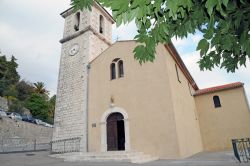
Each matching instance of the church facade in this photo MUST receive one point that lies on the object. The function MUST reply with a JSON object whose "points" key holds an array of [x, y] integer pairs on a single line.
{"points": [[112, 103]]}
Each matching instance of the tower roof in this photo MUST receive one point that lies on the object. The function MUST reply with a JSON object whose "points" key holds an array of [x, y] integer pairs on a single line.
{"points": [[96, 4]]}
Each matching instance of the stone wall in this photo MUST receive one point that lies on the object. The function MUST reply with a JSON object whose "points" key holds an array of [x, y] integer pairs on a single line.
{"points": [[70, 113], [3, 104], [71, 104], [18, 129]]}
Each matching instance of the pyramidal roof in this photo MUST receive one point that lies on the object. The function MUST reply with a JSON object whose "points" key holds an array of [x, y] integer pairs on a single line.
{"points": [[96, 4]]}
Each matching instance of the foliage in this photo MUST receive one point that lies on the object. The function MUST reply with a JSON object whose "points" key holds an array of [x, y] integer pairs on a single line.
{"points": [[10, 94], [41, 107], [52, 104], [38, 106], [24, 89], [224, 24], [16, 106], [8, 73], [10, 91], [21, 94], [40, 88]]}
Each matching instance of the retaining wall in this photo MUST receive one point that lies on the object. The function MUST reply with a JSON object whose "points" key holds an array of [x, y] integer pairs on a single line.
{"points": [[20, 136]]}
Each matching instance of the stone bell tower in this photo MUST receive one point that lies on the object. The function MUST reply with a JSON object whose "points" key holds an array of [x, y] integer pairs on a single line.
{"points": [[86, 35]]}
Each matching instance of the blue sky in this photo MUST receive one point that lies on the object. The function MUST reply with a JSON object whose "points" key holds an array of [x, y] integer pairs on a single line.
{"points": [[31, 29]]}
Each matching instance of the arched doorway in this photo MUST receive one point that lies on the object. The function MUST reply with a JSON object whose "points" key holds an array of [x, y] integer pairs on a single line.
{"points": [[115, 132], [103, 125]]}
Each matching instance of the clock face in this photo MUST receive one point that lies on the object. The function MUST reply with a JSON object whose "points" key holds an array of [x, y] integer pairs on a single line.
{"points": [[74, 49]]}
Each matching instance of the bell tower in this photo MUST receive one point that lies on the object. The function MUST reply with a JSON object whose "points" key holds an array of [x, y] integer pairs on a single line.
{"points": [[86, 35]]}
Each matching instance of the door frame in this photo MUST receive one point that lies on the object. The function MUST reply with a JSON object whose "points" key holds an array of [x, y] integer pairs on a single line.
{"points": [[103, 125]]}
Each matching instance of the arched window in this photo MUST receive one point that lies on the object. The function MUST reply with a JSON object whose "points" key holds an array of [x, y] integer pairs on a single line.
{"points": [[112, 71], [121, 70], [216, 101], [101, 24], [77, 21]]}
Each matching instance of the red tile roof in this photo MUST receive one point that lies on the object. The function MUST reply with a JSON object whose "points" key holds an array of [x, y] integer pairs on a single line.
{"points": [[218, 88]]}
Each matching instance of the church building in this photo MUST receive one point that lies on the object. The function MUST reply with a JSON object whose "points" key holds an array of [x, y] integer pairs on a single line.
{"points": [[110, 102]]}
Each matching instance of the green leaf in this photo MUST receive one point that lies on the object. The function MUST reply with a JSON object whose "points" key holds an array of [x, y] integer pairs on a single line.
{"points": [[118, 21], [81, 4], [209, 33], [203, 46], [222, 23], [172, 5], [210, 4], [225, 2]]}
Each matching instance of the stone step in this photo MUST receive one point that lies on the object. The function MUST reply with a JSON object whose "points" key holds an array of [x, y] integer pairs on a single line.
{"points": [[98, 159], [144, 160], [120, 156], [105, 156], [117, 154], [97, 154]]}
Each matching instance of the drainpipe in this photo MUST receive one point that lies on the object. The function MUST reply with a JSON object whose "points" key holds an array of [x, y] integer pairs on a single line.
{"points": [[87, 109]]}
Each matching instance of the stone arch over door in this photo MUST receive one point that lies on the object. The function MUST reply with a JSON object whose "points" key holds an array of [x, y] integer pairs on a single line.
{"points": [[104, 127]]}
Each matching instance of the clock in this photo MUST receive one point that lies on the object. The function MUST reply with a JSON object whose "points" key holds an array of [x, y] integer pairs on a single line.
{"points": [[74, 50]]}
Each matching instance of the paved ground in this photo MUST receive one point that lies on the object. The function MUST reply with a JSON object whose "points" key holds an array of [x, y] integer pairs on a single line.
{"points": [[42, 159]]}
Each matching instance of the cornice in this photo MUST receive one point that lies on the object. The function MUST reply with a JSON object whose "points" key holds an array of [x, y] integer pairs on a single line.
{"points": [[89, 28]]}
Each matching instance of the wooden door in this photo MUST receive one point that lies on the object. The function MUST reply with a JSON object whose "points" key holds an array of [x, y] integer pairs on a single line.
{"points": [[113, 132]]}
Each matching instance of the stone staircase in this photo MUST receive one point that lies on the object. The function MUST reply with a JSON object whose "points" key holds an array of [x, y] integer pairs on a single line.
{"points": [[120, 156]]}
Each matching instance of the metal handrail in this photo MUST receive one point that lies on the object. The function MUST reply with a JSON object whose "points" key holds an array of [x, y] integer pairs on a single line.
{"points": [[65, 145], [241, 148], [63, 140]]}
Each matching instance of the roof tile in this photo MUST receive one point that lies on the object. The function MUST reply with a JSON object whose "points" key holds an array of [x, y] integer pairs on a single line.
{"points": [[218, 88]]}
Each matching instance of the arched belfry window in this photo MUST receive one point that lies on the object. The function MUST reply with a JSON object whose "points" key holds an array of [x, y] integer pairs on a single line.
{"points": [[101, 24], [77, 21], [120, 69], [112, 71], [117, 62], [217, 103]]}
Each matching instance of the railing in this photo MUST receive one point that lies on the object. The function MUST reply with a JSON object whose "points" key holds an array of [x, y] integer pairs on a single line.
{"points": [[241, 149], [66, 145], [8, 145]]}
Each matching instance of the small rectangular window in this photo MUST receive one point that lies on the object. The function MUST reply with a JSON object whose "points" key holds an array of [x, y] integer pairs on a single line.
{"points": [[77, 21], [217, 103], [101, 24], [176, 68]]}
